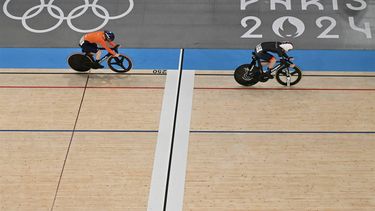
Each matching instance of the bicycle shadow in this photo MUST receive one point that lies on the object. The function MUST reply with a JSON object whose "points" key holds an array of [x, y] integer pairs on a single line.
{"points": [[96, 78]]}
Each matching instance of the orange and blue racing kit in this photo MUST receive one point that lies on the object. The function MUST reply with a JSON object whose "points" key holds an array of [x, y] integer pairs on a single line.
{"points": [[89, 42]]}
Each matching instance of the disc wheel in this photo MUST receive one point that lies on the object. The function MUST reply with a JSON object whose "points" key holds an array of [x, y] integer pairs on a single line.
{"points": [[295, 76], [246, 75], [120, 64], [80, 62]]}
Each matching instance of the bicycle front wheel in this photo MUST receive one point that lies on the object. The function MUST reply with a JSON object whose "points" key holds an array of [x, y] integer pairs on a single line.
{"points": [[295, 76], [120, 64]]}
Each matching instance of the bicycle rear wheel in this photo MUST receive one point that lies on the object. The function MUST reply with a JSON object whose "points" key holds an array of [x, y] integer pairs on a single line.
{"points": [[246, 75], [120, 64], [80, 62], [295, 76]]}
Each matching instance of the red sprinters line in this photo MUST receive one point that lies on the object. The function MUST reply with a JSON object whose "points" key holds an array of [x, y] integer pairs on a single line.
{"points": [[78, 87]]}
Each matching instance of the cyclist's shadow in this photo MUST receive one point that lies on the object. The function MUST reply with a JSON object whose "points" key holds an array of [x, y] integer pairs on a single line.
{"points": [[96, 78]]}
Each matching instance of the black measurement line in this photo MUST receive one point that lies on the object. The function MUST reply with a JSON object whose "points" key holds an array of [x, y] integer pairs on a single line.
{"points": [[174, 131]]}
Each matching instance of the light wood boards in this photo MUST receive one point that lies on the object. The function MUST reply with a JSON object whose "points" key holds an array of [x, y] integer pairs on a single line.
{"points": [[107, 171], [105, 164], [280, 172], [30, 167], [269, 147]]}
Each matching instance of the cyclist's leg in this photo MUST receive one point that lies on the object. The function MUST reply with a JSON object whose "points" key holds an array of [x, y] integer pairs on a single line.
{"points": [[94, 48], [98, 54], [271, 62], [89, 49], [96, 63], [270, 59]]}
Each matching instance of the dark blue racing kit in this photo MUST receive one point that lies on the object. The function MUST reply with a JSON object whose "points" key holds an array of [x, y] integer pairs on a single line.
{"points": [[262, 50]]}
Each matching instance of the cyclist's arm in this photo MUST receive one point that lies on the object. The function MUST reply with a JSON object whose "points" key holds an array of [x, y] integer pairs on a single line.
{"points": [[282, 53], [113, 44], [285, 55], [104, 44]]}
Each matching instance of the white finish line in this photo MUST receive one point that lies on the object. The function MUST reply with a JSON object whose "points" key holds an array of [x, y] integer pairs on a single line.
{"points": [[169, 170], [181, 139], [163, 145]]}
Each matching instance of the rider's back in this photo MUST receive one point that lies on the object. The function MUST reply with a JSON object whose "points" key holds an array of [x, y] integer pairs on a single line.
{"points": [[99, 38], [270, 46], [95, 37]]}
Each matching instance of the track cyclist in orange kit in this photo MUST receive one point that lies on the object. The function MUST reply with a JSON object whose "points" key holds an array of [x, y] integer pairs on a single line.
{"points": [[89, 44]]}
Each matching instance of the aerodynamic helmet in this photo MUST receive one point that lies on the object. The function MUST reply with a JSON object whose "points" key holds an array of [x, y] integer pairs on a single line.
{"points": [[109, 35], [287, 46]]}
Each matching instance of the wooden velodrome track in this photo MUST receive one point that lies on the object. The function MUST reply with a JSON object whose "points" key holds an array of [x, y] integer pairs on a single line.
{"points": [[73, 141]]}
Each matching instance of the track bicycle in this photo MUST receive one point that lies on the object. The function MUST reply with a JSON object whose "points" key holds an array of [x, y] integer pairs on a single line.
{"points": [[286, 72], [82, 62]]}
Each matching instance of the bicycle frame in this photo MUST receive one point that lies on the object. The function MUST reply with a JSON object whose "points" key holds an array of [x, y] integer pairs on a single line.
{"points": [[285, 72], [282, 64], [105, 57], [278, 67]]}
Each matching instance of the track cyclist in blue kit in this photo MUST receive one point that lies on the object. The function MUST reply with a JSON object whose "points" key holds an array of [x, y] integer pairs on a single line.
{"points": [[280, 48]]}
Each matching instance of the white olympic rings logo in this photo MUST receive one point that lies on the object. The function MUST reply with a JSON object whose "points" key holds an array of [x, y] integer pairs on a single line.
{"points": [[75, 13]]}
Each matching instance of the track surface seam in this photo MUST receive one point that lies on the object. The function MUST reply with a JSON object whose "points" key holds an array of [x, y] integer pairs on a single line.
{"points": [[70, 143]]}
